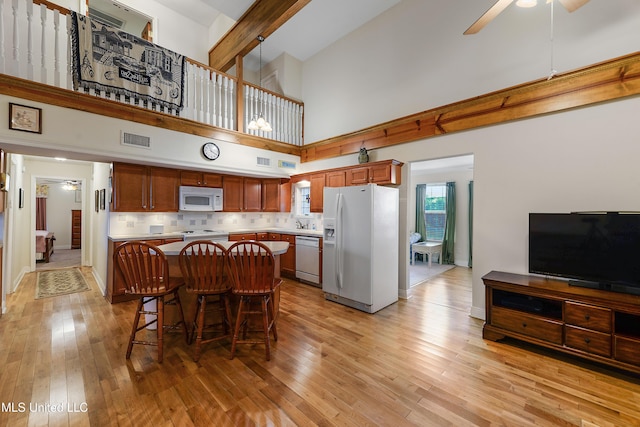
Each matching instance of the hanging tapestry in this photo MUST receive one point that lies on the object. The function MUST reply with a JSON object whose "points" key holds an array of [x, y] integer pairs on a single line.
{"points": [[107, 59]]}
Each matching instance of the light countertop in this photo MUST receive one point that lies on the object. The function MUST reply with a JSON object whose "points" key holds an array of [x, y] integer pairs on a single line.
{"points": [[276, 247], [179, 234]]}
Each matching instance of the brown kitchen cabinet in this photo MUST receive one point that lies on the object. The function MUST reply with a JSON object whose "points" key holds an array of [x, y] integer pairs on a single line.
{"points": [[200, 179], [336, 179], [139, 188], [252, 201], [76, 229], [288, 259], [271, 195], [233, 194], [285, 197], [386, 172], [597, 325], [316, 192], [233, 237]]}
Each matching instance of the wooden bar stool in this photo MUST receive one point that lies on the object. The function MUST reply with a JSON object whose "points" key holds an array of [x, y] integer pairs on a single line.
{"points": [[203, 265], [252, 276], [145, 270]]}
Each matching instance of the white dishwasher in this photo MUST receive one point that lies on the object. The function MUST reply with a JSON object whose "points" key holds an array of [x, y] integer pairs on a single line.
{"points": [[308, 259]]}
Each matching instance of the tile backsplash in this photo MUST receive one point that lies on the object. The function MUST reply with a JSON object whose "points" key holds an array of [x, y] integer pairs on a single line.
{"points": [[121, 223]]}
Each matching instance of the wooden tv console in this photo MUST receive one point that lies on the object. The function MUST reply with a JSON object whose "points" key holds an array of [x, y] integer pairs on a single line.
{"points": [[594, 324]]}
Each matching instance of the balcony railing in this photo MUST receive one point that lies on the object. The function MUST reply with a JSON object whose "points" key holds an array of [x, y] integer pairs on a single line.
{"points": [[35, 44]]}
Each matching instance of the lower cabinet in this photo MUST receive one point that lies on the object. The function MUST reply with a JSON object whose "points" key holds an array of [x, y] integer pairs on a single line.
{"points": [[288, 259], [594, 324], [115, 281]]}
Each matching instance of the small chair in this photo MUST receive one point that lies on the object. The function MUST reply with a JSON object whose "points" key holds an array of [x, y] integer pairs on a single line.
{"points": [[145, 270], [203, 265], [252, 275]]}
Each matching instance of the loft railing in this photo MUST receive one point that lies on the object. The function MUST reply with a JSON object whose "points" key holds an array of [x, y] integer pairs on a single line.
{"points": [[35, 44]]}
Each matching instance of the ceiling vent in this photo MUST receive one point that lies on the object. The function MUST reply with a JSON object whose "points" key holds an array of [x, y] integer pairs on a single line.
{"points": [[134, 140], [105, 19], [264, 161]]}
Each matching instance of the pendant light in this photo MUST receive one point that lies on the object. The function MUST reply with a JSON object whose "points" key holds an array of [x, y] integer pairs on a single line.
{"points": [[259, 122]]}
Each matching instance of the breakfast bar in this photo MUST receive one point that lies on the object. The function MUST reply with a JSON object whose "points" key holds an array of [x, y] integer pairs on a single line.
{"points": [[172, 250]]}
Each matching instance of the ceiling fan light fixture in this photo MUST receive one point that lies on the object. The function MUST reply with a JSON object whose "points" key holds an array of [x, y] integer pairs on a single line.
{"points": [[526, 3]]}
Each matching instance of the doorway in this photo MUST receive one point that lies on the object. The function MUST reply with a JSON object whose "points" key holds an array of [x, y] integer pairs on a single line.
{"points": [[435, 174], [58, 212]]}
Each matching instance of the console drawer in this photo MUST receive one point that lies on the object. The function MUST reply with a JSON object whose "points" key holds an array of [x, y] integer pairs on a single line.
{"points": [[587, 316], [627, 350], [526, 324], [587, 340]]}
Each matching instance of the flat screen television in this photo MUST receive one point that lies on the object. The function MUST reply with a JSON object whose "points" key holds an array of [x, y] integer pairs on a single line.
{"points": [[598, 250]]}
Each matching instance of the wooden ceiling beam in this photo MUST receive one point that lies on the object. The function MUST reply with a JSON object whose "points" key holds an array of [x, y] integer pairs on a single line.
{"points": [[262, 18]]}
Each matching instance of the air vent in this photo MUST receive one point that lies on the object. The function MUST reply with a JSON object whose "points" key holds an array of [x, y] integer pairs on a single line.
{"points": [[264, 161], [134, 140], [105, 18]]}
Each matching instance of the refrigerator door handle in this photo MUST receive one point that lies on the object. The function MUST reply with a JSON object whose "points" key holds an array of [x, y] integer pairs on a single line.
{"points": [[339, 246]]}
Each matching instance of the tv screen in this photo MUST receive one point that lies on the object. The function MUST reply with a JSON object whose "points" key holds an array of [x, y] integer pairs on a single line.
{"points": [[601, 248]]}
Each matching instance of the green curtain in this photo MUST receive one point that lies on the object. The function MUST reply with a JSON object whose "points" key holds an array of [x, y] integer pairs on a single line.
{"points": [[470, 224], [450, 225], [421, 226]]}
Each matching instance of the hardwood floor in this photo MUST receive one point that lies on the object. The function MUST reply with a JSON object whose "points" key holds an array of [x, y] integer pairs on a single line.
{"points": [[421, 362]]}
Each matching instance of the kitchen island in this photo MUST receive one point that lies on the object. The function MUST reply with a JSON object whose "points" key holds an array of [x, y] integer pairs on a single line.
{"points": [[172, 250]]}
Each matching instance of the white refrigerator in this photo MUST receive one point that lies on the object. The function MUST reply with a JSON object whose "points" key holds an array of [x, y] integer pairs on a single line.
{"points": [[360, 246]]}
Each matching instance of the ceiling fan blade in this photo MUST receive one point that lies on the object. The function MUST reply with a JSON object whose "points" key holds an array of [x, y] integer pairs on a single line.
{"points": [[488, 16], [572, 5]]}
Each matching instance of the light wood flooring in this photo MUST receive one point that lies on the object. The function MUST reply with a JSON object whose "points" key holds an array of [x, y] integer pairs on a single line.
{"points": [[419, 362]]}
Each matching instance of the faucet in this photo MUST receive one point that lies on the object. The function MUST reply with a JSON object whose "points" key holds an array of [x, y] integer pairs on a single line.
{"points": [[299, 224]]}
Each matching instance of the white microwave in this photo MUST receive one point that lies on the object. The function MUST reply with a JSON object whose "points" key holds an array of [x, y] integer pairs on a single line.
{"points": [[200, 199]]}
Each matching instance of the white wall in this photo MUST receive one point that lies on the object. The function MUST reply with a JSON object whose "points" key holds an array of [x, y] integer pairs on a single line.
{"points": [[414, 57], [98, 227], [556, 163]]}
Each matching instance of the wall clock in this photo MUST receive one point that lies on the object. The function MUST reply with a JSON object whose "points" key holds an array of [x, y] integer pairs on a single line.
{"points": [[210, 151]]}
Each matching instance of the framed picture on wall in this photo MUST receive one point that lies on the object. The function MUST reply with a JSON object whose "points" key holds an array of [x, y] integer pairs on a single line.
{"points": [[97, 197], [20, 198], [103, 196], [24, 118]]}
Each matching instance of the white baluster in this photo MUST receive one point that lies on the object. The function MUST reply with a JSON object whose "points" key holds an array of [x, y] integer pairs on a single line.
{"points": [[232, 102], [225, 113], [220, 100], [69, 55], [207, 112], [2, 64], [214, 101], [56, 48], [29, 40], [43, 46], [16, 40]]}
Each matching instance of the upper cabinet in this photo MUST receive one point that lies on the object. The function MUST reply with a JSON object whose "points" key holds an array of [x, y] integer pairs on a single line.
{"points": [[200, 179], [271, 195], [316, 192], [387, 172], [138, 188]]}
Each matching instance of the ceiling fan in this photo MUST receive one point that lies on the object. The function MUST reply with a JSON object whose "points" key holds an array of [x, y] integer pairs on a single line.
{"points": [[501, 5]]}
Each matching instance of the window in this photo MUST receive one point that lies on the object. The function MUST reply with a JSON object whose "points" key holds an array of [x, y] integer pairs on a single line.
{"points": [[303, 197], [435, 214]]}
